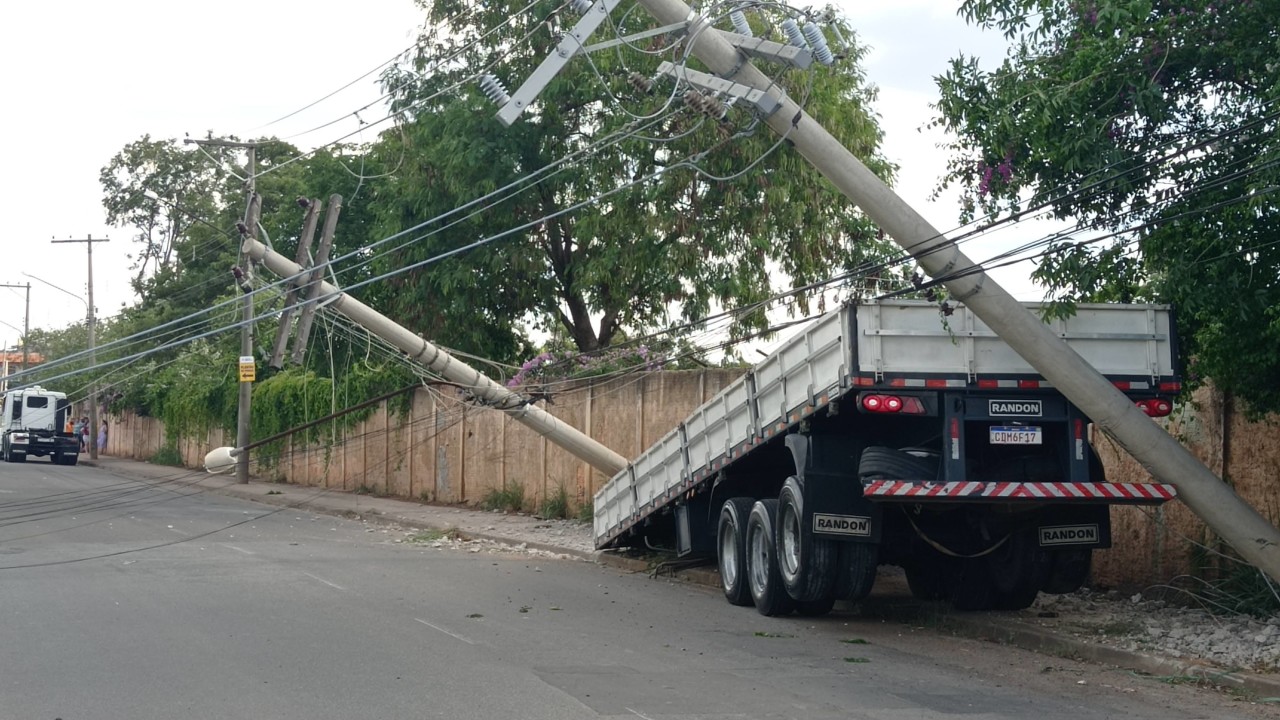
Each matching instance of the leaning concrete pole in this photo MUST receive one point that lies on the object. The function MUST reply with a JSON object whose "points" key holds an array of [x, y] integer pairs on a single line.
{"points": [[1213, 500], [452, 369]]}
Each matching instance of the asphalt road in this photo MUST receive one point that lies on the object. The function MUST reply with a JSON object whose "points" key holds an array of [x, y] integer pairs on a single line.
{"points": [[122, 599]]}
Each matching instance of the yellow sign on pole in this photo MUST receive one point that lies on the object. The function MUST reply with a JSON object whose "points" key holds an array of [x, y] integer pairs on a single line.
{"points": [[248, 370]]}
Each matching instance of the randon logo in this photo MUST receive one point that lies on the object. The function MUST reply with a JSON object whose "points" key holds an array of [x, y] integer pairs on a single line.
{"points": [[1069, 535], [1014, 408], [852, 525]]}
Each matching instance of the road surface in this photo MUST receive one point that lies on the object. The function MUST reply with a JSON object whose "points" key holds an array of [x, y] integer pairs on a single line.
{"points": [[124, 599]]}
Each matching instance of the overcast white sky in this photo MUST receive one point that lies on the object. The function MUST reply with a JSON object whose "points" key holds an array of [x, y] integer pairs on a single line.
{"points": [[82, 79]]}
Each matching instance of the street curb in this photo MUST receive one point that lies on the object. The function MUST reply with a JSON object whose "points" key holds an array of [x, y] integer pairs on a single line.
{"points": [[1010, 632]]}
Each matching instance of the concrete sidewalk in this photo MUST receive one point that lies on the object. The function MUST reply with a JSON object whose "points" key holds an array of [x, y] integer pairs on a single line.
{"points": [[571, 538]]}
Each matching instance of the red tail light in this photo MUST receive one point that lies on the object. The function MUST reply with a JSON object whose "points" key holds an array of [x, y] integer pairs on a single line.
{"points": [[892, 404], [1156, 407]]}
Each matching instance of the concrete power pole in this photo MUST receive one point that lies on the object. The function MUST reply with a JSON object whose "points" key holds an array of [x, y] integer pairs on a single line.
{"points": [[244, 404], [1213, 500], [433, 358], [26, 326], [91, 321]]}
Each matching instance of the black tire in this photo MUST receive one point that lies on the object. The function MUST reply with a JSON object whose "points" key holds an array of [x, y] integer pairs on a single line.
{"points": [[1068, 570], [18, 457], [930, 574], [807, 562], [1017, 569], [731, 550], [858, 563], [896, 465], [972, 588], [767, 592], [817, 608]]}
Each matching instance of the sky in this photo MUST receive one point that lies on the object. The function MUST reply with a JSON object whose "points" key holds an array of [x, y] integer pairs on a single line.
{"points": [[83, 79]]}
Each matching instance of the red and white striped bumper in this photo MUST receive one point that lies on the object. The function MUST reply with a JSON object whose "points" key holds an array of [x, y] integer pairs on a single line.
{"points": [[1112, 493]]}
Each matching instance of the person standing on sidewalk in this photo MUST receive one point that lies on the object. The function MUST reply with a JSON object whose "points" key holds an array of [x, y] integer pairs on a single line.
{"points": [[102, 435]]}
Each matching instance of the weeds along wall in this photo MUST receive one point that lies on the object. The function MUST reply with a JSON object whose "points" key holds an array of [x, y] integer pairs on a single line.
{"points": [[441, 450]]}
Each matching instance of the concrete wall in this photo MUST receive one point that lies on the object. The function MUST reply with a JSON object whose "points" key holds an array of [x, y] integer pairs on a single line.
{"points": [[445, 451]]}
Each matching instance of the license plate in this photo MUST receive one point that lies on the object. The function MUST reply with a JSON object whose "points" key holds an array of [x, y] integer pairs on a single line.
{"points": [[1019, 435]]}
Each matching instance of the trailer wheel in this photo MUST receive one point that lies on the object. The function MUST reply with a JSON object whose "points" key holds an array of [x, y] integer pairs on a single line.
{"points": [[972, 587], [857, 570], [1018, 569], [896, 465], [817, 608], [1068, 570], [767, 592], [731, 549], [807, 562]]}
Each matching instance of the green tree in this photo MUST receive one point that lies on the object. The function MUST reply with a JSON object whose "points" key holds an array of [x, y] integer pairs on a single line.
{"points": [[1153, 122], [679, 244]]}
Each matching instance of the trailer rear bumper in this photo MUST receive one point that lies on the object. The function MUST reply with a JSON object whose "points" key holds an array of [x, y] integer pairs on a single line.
{"points": [[1020, 492]]}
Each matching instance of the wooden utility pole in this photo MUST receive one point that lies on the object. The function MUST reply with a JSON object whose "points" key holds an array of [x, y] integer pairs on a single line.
{"points": [[91, 321], [244, 405]]}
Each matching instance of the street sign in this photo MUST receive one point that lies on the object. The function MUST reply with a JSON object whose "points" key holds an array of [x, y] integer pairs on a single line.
{"points": [[248, 371]]}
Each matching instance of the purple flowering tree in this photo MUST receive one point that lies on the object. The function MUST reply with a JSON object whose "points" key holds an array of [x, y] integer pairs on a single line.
{"points": [[1153, 122]]}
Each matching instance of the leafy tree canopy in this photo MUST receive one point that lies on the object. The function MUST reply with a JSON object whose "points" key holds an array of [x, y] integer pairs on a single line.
{"points": [[681, 243], [1153, 122]]}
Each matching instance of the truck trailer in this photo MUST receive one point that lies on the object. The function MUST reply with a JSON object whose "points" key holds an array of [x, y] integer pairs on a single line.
{"points": [[897, 432]]}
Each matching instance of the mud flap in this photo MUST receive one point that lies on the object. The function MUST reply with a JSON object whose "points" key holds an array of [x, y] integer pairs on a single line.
{"points": [[1074, 527], [833, 504]]}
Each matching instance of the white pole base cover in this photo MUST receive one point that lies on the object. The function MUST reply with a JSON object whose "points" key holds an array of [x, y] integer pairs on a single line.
{"points": [[220, 460]]}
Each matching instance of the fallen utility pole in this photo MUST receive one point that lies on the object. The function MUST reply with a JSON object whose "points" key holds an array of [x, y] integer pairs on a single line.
{"points": [[1167, 460], [433, 358]]}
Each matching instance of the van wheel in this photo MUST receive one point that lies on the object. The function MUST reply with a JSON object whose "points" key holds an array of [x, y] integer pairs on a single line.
{"points": [[765, 579], [731, 549], [807, 562]]}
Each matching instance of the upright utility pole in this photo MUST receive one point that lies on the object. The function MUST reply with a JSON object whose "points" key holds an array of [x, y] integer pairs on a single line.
{"points": [[244, 404], [1166, 459], [91, 321], [26, 325]]}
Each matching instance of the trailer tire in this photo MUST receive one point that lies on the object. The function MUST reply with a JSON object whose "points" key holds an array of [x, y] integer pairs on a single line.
{"points": [[767, 591], [896, 465], [1017, 569], [858, 563], [807, 562], [1068, 570], [731, 550], [972, 587], [817, 608]]}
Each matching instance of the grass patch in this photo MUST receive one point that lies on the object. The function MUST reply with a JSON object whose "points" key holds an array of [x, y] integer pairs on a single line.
{"points": [[167, 455], [854, 641], [767, 634], [274, 492], [510, 499], [555, 505], [587, 512], [857, 660]]}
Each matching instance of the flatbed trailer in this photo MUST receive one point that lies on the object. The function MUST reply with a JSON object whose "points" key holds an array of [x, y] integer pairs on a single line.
{"points": [[890, 432]]}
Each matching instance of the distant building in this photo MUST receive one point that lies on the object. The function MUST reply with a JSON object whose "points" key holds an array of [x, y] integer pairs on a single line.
{"points": [[11, 364]]}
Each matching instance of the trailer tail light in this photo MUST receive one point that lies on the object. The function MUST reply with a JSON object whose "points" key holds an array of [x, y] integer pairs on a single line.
{"points": [[893, 404], [1155, 407]]}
